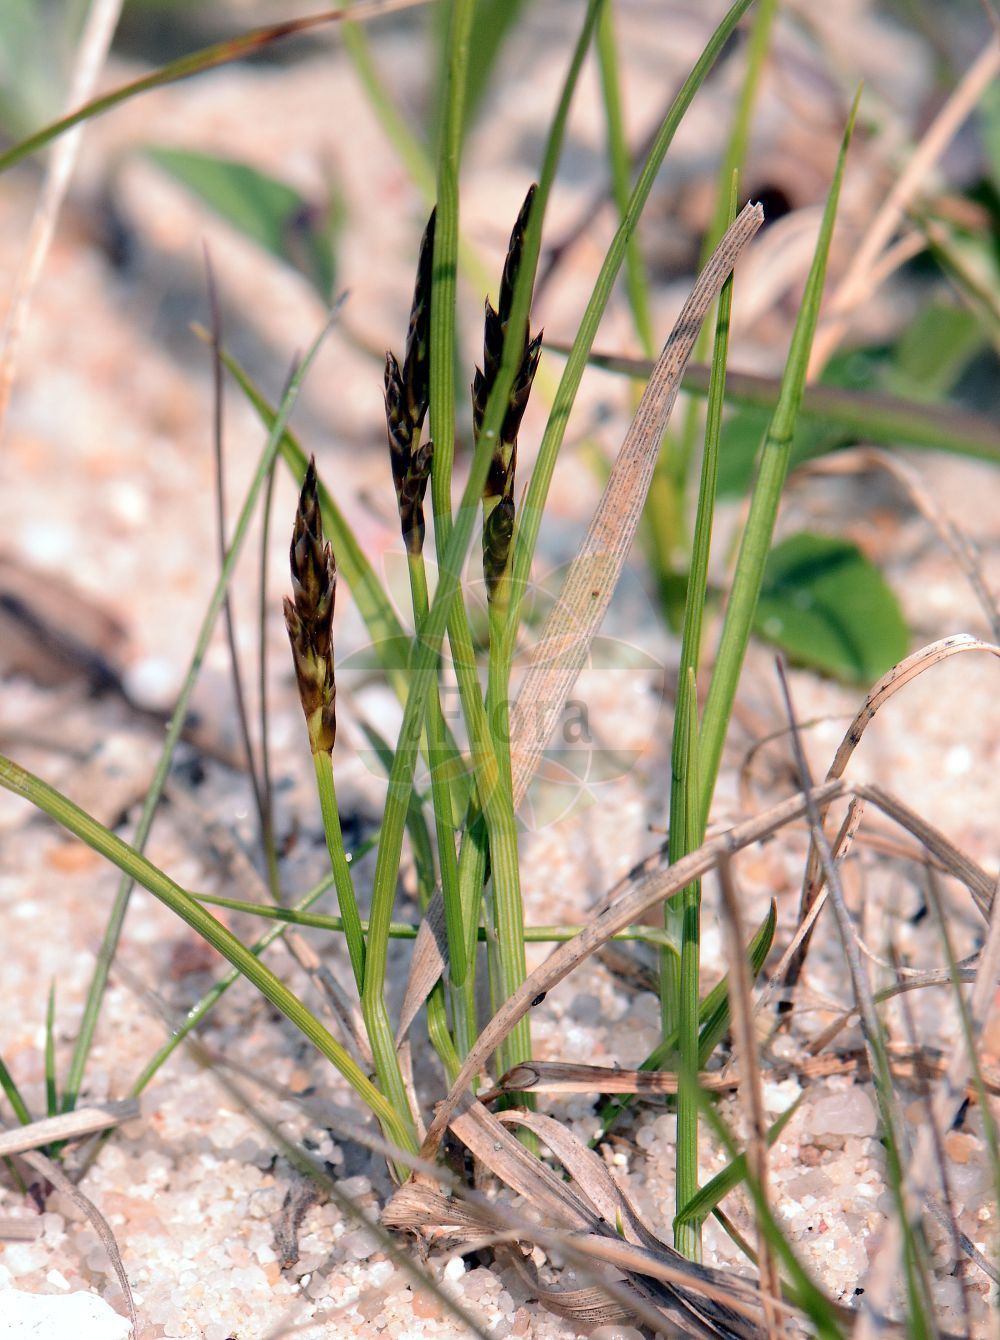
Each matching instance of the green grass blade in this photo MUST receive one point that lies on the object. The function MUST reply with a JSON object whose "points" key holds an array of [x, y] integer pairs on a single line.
{"points": [[803, 1289], [138, 869], [532, 512], [109, 943], [491, 26], [636, 285], [389, 639], [764, 502], [713, 1019], [51, 1090], [445, 275], [700, 1206], [427, 645], [868, 416], [685, 826], [685, 1009], [346, 898], [680, 979], [9, 1086], [208, 58]]}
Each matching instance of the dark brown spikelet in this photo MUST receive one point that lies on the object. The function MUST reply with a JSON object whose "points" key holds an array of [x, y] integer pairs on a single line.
{"points": [[498, 532], [498, 491], [406, 399], [309, 617]]}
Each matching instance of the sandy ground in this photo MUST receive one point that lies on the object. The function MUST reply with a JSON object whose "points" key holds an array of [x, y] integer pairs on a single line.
{"points": [[107, 474]]}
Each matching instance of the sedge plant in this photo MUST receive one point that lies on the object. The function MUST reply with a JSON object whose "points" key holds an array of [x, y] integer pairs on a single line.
{"points": [[470, 872]]}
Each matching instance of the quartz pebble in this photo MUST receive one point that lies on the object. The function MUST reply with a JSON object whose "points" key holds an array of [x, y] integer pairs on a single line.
{"points": [[36, 1316], [850, 1112]]}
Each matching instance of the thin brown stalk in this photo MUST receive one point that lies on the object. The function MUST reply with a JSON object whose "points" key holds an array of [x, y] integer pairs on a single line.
{"points": [[594, 573], [648, 891], [895, 679], [239, 696], [51, 1171], [856, 284], [95, 42], [745, 1045]]}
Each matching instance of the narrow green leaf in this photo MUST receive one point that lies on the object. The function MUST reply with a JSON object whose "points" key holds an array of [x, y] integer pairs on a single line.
{"points": [[713, 1019], [266, 210], [491, 26], [830, 608], [704, 1202], [389, 641], [9, 1086], [714, 1014], [51, 1091], [765, 500], [136, 867], [197, 62]]}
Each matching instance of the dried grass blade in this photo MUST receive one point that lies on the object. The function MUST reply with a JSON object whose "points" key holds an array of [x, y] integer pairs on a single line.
{"points": [[589, 1172], [209, 58], [490, 1142], [856, 284], [69, 1126], [53, 1173], [745, 1043], [980, 885], [648, 891], [594, 573], [494, 1146], [574, 1077], [890, 683], [95, 42]]}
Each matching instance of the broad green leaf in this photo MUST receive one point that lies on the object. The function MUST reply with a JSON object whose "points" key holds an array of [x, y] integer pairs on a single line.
{"points": [[828, 607], [266, 210]]}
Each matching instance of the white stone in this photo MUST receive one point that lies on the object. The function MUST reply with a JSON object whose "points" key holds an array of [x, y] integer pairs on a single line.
{"points": [[84, 1316], [850, 1112]]}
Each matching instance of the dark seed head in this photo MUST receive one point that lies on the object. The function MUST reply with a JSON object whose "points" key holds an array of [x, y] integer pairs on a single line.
{"points": [[309, 616]]}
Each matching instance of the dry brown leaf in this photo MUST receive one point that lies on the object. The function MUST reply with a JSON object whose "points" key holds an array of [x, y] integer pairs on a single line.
{"points": [[593, 575], [648, 891]]}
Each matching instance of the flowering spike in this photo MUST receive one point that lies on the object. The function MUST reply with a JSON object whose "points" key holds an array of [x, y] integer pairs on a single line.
{"points": [[498, 491], [407, 392], [309, 616]]}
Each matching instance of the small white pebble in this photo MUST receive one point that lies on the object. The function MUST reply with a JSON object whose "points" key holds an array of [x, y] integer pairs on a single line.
{"points": [[455, 1269], [152, 681], [57, 1279], [958, 760]]}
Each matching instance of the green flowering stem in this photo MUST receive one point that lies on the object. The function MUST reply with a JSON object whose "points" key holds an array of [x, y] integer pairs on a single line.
{"points": [[344, 884]]}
